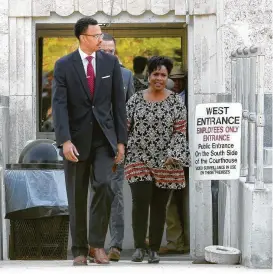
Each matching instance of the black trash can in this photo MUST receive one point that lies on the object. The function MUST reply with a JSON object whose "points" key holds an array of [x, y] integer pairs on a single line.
{"points": [[36, 204]]}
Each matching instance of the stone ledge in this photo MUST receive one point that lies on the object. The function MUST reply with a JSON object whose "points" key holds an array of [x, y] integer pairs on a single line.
{"points": [[37, 8]]}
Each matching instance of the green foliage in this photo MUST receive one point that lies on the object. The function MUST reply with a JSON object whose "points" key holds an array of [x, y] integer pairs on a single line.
{"points": [[127, 48], [56, 47]]}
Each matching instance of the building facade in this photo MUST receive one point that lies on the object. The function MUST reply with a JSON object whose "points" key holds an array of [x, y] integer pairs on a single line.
{"points": [[210, 31]]}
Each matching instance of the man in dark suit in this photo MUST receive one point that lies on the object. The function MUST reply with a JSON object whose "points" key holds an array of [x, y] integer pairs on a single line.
{"points": [[90, 125], [116, 224], [108, 45]]}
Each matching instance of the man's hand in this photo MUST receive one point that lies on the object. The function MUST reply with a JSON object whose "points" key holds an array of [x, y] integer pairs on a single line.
{"points": [[120, 155], [70, 152]]}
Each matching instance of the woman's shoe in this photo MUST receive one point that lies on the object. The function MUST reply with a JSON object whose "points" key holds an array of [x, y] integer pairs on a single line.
{"points": [[153, 257], [138, 255]]}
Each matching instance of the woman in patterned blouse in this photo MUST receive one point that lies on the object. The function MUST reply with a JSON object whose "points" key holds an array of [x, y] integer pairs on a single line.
{"points": [[157, 151]]}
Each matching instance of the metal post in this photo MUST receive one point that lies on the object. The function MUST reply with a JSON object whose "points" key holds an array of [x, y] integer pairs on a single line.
{"points": [[240, 98], [233, 77], [228, 215], [239, 82], [245, 91], [214, 196], [252, 121], [259, 184]]}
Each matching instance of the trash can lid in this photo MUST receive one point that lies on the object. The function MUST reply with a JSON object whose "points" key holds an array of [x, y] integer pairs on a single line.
{"points": [[34, 166], [40, 151]]}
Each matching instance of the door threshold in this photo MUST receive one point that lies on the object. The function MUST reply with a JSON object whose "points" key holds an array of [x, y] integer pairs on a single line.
{"points": [[126, 255]]}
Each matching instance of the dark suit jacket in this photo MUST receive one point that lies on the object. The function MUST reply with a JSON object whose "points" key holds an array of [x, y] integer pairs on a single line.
{"points": [[128, 83], [75, 112]]}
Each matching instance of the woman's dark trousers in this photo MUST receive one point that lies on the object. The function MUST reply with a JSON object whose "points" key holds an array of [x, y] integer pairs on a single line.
{"points": [[145, 195]]}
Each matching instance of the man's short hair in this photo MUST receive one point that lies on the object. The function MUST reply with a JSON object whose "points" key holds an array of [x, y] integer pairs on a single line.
{"points": [[108, 37], [139, 64], [82, 25]]}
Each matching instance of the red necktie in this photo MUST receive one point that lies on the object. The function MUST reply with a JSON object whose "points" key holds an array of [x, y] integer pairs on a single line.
{"points": [[90, 75]]}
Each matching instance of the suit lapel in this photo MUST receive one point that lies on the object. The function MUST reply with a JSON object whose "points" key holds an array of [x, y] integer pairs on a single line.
{"points": [[77, 62], [99, 65]]}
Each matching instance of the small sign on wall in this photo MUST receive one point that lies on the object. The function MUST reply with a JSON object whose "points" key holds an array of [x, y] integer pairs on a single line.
{"points": [[217, 141]]}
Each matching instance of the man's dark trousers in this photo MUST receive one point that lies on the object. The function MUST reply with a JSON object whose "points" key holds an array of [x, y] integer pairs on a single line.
{"points": [[78, 175], [116, 223]]}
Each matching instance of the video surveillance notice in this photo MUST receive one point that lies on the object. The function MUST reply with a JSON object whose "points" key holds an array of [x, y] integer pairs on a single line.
{"points": [[217, 141]]}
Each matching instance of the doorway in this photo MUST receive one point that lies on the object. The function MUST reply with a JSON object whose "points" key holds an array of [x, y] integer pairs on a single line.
{"points": [[132, 40]]}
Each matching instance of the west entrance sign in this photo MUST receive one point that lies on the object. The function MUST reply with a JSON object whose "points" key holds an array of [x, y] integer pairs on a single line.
{"points": [[217, 141]]}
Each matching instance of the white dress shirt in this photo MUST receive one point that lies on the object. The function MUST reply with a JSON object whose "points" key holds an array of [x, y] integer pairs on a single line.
{"points": [[85, 62]]}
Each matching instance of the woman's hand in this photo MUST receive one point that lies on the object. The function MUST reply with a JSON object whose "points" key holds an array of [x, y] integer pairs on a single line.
{"points": [[170, 162]]}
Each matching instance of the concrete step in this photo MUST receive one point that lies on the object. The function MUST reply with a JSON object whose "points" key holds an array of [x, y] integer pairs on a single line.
{"points": [[122, 267]]}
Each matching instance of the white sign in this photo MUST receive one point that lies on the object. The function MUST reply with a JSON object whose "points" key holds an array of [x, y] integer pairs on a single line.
{"points": [[217, 141]]}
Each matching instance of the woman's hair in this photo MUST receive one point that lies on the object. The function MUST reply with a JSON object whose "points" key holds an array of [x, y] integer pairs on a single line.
{"points": [[155, 62]]}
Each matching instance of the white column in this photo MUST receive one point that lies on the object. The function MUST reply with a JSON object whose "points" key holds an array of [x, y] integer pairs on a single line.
{"points": [[202, 87], [259, 183], [22, 120], [4, 45], [4, 111]]}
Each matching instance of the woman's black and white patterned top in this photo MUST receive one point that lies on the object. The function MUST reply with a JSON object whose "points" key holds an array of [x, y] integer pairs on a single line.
{"points": [[156, 131]]}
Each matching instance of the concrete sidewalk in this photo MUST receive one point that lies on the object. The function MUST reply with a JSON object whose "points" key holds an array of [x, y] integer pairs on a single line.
{"points": [[122, 267]]}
